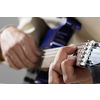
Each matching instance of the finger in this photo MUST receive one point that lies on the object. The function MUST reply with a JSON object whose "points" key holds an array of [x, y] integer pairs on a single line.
{"points": [[33, 46], [74, 75], [15, 59], [27, 50], [62, 55], [18, 50], [54, 77], [10, 63], [68, 70]]}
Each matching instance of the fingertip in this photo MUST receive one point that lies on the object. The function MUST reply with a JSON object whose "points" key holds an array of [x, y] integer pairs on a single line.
{"points": [[38, 53], [74, 47]]}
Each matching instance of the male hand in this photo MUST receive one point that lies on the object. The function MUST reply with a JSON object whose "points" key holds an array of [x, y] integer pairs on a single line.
{"points": [[18, 49], [62, 71]]}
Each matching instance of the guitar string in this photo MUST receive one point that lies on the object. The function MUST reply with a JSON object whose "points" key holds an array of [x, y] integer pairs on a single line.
{"points": [[53, 55], [50, 52]]}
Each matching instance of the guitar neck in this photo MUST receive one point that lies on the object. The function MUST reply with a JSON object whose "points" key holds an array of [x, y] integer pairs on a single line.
{"points": [[83, 55], [49, 55]]}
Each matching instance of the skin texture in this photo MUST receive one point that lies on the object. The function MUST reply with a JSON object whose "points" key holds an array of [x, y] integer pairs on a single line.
{"points": [[62, 71], [18, 49]]}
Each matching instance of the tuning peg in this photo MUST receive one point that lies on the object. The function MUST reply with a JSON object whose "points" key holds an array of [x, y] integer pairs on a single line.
{"points": [[82, 56], [82, 64], [83, 52], [91, 62], [85, 48], [87, 44], [80, 60]]}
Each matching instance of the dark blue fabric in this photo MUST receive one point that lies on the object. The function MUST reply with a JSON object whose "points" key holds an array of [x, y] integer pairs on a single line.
{"points": [[95, 71]]}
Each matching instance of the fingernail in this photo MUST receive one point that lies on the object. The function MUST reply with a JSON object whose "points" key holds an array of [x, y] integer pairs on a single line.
{"points": [[74, 47]]}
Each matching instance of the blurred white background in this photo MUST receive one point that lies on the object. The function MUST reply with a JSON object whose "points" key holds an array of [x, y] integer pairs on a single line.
{"points": [[8, 75]]}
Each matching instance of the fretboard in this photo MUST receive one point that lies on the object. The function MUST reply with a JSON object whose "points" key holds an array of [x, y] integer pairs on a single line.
{"points": [[49, 55]]}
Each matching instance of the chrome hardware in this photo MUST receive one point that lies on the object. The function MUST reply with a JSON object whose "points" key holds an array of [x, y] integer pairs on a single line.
{"points": [[87, 53], [87, 44], [82, 56], [85, 48], [83, 52], [80, 60]]}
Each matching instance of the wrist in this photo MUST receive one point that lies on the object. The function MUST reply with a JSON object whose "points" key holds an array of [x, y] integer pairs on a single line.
{"points": [[1, 31]]}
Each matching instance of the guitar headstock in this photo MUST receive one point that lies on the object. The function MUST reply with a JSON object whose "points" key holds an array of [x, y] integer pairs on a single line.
{"points": [[88, 54]]}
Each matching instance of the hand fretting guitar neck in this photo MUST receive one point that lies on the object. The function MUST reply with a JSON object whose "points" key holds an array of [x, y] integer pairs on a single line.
{"points": [[83, 53]]}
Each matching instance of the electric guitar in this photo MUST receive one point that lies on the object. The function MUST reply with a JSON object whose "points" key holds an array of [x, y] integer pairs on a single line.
{"points": [[54, 38], [88, 55]]}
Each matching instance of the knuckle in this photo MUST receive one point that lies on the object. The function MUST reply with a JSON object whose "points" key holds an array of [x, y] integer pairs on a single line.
{"points": [[23, 59], [65, 79], [29, 55], [62, 49], [63, 63], [8, 50], [32, 57], [22, 39], [14, 45], [55, 66], [26, 61], [24, 36]]}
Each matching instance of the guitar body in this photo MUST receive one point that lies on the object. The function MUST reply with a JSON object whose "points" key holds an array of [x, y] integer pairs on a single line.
{"points": [[54, 38]]}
